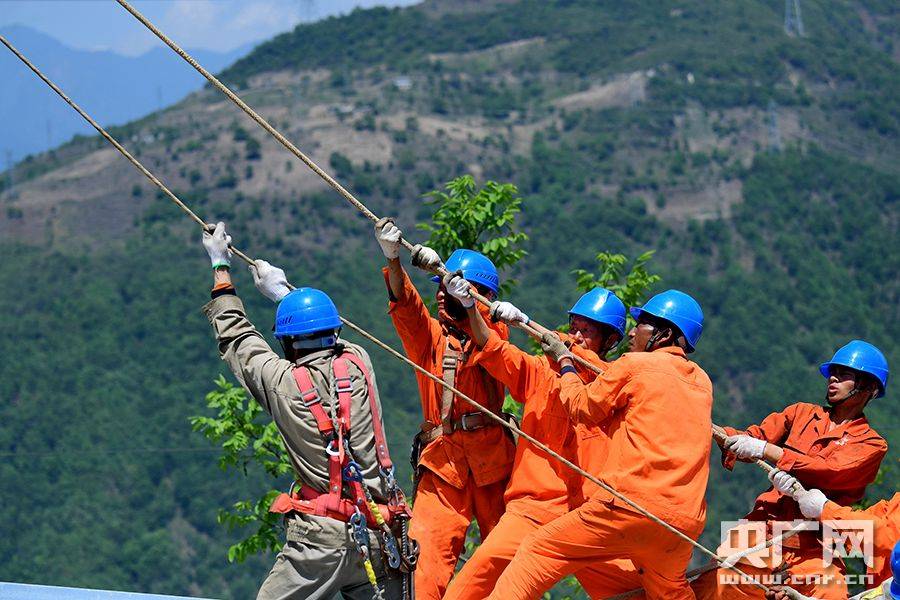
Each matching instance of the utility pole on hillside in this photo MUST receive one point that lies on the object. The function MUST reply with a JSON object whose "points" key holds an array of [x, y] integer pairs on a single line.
{"points": [[774, 129], [9, 172], [793, 19]]}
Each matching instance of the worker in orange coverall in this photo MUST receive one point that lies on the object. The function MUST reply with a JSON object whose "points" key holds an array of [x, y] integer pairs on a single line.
{"points": [[539, 488], [464, 458], [833, 449], [884, 516], [656, 405]]}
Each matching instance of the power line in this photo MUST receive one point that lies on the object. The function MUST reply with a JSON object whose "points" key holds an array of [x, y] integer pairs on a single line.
{"points": [[65, 452]]}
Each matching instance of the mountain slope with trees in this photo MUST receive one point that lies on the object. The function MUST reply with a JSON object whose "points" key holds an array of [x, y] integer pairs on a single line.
{"points": [[761, 167]]}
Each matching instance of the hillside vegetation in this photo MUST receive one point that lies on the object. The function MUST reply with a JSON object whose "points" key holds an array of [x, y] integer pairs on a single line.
{"points": [[762, 167]]}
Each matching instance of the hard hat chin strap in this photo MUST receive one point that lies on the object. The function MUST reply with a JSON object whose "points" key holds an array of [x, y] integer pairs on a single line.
{"points": [[657, 334], [851, 393]]}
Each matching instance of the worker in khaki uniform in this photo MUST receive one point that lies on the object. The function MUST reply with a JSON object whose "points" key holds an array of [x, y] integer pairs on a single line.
{"points": [[657, 407], [833, 449], [539, 488], [324, 401], [464, 458]]}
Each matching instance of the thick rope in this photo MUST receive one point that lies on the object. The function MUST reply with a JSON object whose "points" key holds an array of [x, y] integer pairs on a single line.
{"points": [[726, 560], [534, 329], [499, 420]]}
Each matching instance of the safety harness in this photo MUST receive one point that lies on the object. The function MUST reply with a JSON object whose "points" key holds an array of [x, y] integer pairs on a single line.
{"points": [[358, 507], [471, 421]]}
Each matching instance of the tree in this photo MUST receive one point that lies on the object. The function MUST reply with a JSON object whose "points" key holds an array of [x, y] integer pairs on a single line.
{"points": [[245, 442], [481, 220], [631, 289]]}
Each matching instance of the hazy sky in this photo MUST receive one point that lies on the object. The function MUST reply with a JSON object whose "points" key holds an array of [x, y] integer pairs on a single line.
{"points": [[210, 24]]}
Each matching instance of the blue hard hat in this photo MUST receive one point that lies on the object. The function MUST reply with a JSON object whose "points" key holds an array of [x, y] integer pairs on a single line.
{"points": [[679, 309], [861, 356], [475, 267], [602, 306], [895, 569], [305, 311]]}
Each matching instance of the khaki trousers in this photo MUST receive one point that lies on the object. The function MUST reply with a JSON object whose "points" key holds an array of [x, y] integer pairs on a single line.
{"points": [[303, 571]]}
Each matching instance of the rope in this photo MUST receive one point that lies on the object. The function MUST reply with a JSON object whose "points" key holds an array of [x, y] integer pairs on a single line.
{"points": [[726, 560], [533, 329], [500, 421]]}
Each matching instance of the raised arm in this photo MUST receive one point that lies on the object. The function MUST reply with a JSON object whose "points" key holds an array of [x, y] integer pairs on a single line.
{"points": [[241, 346]]}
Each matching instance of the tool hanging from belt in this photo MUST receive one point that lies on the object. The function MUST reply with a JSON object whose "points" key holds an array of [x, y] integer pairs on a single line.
{"points": [[360, 510]]}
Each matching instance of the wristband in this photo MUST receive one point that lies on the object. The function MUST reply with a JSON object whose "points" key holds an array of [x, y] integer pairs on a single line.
{"points": [[568, 369], [222, 289]]}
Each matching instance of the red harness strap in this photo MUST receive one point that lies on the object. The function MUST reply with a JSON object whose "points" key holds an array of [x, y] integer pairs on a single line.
{"points": [[332, 503]]}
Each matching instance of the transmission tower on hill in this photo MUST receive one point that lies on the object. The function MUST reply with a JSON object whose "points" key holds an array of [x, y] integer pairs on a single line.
{"points": [[793, 19]]}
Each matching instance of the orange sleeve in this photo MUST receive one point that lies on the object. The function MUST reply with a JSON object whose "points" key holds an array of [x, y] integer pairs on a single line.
{"points": [[885, 516], [852, 466], [523, 374], [418, 330], [592, 403], [774, 429]]}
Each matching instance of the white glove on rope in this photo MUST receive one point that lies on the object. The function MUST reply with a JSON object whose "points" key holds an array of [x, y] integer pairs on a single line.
{"points": [[811, 503], [507, 311], [459, 288], [388, 236], [216, 244], [783, 482], [425, 258], [745, 447], [270, 281]]}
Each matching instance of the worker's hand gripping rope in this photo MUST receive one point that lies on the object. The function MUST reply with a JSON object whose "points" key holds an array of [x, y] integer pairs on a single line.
{"points": [[745, 447], [459, 288], [217, 242], [811, 501], [508, 312], [270, 280], [554, 347], [388, 236]]}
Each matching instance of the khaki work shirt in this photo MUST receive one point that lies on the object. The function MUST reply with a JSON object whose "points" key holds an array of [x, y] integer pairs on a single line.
{"points": [[269, 379]]}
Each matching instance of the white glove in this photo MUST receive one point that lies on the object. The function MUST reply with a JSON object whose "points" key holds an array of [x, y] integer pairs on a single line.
{"points": [[783, 482], [745, 447], [270, 281], [388, 236], [216, 244], [425, 258], [507, 311], [811, 503], [460, 289]]}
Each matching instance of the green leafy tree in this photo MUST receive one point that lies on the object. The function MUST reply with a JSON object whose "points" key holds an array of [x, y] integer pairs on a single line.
{"points": [[479, 219], [247, 438], [631, 288]]}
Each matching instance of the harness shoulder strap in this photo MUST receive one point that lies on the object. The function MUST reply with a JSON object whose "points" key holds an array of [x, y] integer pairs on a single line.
{"points": [[449, 366], [309, 395], [381, 447]]}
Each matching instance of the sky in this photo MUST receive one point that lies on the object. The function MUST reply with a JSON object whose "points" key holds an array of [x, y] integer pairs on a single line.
{"points": [[219, 25]]}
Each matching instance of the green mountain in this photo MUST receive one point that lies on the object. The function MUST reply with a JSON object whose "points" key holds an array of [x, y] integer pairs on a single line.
{"points": [[761, 166]]}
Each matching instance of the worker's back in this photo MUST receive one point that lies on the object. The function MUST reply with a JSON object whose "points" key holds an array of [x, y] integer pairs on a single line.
{"points": [[660, 439]]}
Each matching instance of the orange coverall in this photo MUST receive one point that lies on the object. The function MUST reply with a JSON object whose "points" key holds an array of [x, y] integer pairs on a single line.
{"points": [[841, 462], [885, 516], [463, 474], [538, 489], [657, 406]]}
